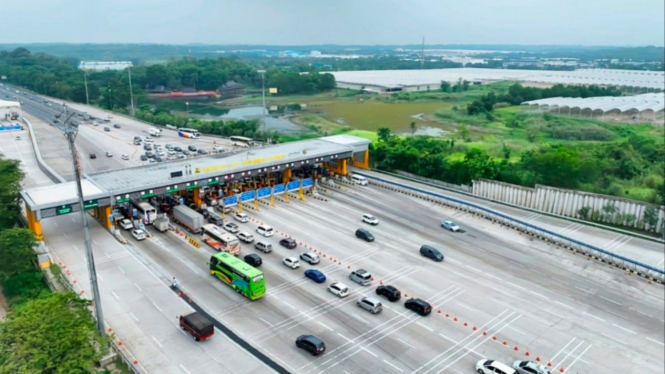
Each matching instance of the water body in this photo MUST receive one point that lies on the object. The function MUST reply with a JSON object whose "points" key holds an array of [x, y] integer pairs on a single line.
{"points": [[275, 121]]}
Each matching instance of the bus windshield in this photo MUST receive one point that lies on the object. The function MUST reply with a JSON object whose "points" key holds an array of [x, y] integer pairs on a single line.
{"points": [[245, 279], [220, 240], [188, 133]]}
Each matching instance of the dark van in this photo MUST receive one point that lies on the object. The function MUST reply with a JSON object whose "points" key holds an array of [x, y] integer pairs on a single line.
{"points": [[364, 235], [431, 252], [419, 306]]}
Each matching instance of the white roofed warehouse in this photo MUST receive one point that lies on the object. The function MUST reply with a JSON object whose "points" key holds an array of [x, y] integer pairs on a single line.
{"points": [[645, 107]]}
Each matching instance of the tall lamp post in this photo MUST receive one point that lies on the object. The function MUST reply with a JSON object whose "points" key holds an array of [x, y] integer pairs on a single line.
{"points": [[71, 132], [187, 104], [131, 92], [85, 82], [263, 92]]}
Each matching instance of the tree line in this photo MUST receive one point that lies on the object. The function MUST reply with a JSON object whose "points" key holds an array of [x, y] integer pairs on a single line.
{"points": [[44, 332], [600, 168]]}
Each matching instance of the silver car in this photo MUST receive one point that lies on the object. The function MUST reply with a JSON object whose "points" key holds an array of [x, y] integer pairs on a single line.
{"points": [[370, 304], [530, 367], [450, 225], [310, 257]]}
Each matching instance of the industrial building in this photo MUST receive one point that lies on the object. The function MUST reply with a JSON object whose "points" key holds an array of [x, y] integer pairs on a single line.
{"points": [[643, 107], [631, 81], [8, 107]]}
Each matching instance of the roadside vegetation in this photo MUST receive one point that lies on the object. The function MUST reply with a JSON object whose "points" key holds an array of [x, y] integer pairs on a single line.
{"points": [[44, 332]]}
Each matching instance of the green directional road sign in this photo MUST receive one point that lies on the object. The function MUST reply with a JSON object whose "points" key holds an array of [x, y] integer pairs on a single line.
{"points": [[90, 204], [63, 209], [192, 186], [172, 189], [147, 195], [120, 200], [213, 182]]}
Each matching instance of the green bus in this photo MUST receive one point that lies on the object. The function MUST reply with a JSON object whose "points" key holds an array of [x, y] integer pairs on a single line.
{"points": [[244, 279]]}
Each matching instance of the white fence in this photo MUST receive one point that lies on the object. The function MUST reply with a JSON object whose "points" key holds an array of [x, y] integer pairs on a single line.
{"points": [[575, 204]]}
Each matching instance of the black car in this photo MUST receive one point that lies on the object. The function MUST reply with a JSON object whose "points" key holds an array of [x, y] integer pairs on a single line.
{"points": [[254, 260], [56, 121], [147, 147], [419, 306], [177, 149], [158, 159], [389, 292], [202, 151], [116, 126], [288, 243], [186, 153], [431, 252], [92, 155], [311, 344], [192, 148], [107, 129], [364, 235], [144, 158]]}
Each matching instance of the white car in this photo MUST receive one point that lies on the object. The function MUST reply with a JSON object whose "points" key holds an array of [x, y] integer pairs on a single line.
{"points": [[125, 157], [148, 139], [95, 123], [109, 154], [241, 217], [310, 257], [126, 224], [265, 230], [291, 262], [530, 367], [450, 225], [338, 289], [231, 227], [139, 234], [246, 237], [493, 367], [218, 148], [368, 218]]}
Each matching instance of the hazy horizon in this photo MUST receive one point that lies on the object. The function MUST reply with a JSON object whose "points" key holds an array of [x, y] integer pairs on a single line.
{"points": [[612, 23]]}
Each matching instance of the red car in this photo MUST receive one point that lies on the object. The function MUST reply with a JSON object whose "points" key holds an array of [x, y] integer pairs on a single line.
{"points": [[197, 326]]}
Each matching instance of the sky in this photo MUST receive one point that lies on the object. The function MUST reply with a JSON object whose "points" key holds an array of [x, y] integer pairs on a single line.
{"points": [[357, 22]]}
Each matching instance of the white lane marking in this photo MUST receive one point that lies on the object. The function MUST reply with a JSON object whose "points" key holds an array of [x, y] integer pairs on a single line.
{"points": [[368, 351], [579, 358], [451, 260], [418, 323], [137, 286], [623, 328], [75, 247], [661, 261], [55, 223], [492, 276], [567, 306], [538, 272], [537, 294], [158, 308], [133, 316], [157, 341], [93, 240], [121, 269], [405, 343], [73, 220], [395, 367], [472, 268], [362, 319], [289, 305], [466, 306], [516, 330], [583, 289], [615, 339], [610, 300], [516, 263], [100, 277], [655, 341], [563, 349], [591, 315], [268, 323], [447, 338], [114, 295], [64, 234], [515, 285], [642, 313], [183, 368], [324, 326]]}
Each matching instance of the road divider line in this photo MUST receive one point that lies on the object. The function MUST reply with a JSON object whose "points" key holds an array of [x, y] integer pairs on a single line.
{"points": [[133, 316], [537, 294], [157, 341], [393, 366], [407, 344], [624, 329], [560, 303], [324, 325], [615, 339], [610, 300], [513, 284], [114, 295], [591, 315], [420, 324], [655, 341]]}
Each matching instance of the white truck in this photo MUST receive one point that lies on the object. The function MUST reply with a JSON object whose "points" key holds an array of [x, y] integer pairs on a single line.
{"points": [[191, 219], [154, 132]]}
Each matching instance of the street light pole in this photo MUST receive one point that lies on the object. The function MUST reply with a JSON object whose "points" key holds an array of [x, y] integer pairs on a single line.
{"points": [[85, 82], [131, 92], [70, 133], [263, 92], [187, 104]]}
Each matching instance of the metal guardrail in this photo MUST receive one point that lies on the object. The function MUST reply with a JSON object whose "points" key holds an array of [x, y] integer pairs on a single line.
{"points": [[591, 251]]}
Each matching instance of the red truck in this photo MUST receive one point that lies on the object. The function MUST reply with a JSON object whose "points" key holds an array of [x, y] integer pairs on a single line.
{"points": [[197, 326]]}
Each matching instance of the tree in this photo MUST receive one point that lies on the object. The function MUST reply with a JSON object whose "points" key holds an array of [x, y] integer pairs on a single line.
{"points": [[413, 128], [651, 216], [54, 334], [583, 212], [16, 252], [383, 133], [10, 186], [464, 132], [445, 86]]}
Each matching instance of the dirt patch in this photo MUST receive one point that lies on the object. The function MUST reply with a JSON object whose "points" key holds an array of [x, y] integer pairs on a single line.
{"points": [[3, 306]]}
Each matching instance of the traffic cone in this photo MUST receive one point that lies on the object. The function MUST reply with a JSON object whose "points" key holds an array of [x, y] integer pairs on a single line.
{"points": [[439, 311], [475, 328], [381, 282], [516, 349], [527, 354], [493, 337], [136, 361], [447, 315], [561, 369], [549, 364], [466, 324], [538, 358], [484, 332], [455, 319], [348, 266], [119, 342], [504, 342]]}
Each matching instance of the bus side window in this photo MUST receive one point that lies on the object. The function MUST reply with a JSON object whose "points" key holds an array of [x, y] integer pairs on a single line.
{"points": [[213, 261]]}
